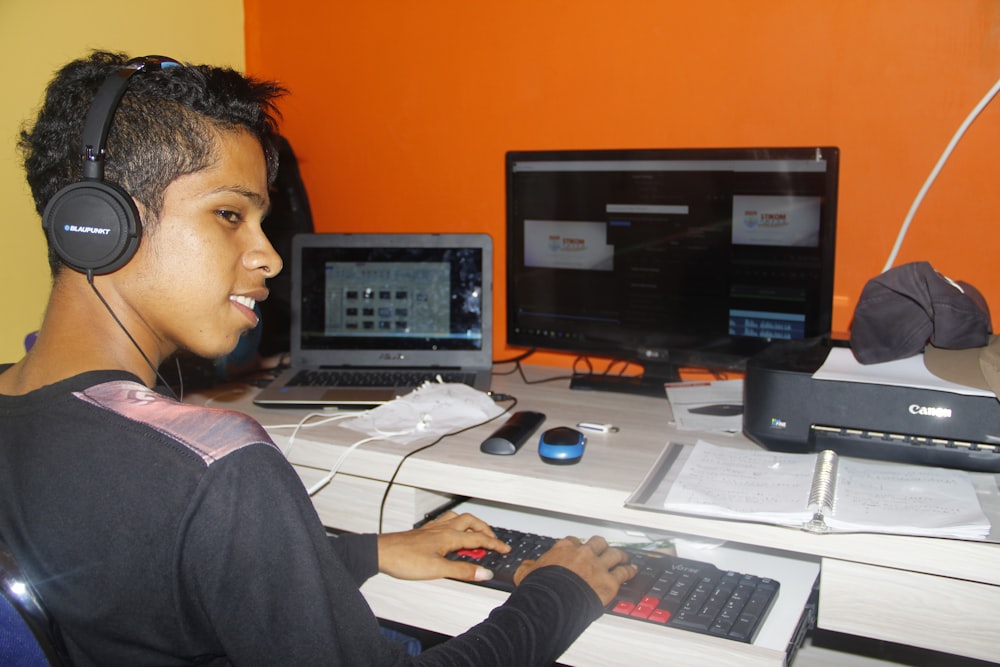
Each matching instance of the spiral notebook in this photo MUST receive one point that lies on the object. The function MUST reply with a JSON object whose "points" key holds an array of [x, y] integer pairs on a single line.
{"points": [[821, 492]]}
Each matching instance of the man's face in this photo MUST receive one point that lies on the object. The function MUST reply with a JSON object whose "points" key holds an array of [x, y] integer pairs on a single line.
{"points": [[202, 265]]}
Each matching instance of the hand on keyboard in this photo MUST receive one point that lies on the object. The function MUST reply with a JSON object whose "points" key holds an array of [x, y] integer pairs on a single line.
{"points": [[420, 553], [604, 568]]}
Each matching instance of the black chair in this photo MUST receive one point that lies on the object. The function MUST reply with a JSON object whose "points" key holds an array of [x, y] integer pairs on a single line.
{"points": [[290, 214], [28, 637]]}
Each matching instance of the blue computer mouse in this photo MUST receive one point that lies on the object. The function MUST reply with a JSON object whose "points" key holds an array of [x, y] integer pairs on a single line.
{"points": [[561, 445]]}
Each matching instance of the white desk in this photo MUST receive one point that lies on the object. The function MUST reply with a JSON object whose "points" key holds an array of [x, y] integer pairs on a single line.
{"points": [[930, 593]]}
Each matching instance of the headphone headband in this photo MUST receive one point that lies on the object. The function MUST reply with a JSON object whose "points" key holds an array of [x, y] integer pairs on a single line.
{"points": [[102, 111]]}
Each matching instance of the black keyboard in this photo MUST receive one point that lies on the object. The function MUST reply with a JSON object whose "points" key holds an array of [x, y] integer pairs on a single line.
{"points": [[667, 590], [375, 378]]}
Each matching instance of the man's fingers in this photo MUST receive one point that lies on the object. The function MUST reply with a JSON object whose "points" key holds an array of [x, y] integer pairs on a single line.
{"points": [[608, 556], [469, 572], [624, 572], [462, 522], [613, 558]]}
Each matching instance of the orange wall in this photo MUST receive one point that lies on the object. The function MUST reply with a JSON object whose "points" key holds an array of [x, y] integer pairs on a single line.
{"points": [[401, 111]]}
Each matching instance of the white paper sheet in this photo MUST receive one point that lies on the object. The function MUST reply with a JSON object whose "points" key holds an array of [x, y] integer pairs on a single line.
{"points": [[687, 396], [840, 365]]}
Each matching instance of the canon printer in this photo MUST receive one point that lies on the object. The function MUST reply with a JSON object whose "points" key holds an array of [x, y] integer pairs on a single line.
{"points": [[787, 409]]}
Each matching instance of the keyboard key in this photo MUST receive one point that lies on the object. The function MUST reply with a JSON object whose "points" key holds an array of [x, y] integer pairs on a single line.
{"points": [[645, 607], [743, 629], [623, 607], [659, 615]]}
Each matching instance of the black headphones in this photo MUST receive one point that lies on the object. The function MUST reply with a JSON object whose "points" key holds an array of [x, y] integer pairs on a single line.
{"points": [[93, 225]]}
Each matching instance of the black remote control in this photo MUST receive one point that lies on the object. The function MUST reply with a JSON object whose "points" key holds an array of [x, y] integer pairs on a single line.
{"points": [[508, 438]]}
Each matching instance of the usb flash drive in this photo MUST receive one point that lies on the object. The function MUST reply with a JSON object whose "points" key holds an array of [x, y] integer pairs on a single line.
{"points": [[599, 428]]}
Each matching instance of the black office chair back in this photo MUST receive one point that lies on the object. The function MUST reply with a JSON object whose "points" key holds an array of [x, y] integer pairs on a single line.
{"points": [[290, 214], [28, 636]]}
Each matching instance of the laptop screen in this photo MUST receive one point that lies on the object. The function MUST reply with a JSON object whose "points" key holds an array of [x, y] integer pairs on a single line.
{"points": [[374, 299]]}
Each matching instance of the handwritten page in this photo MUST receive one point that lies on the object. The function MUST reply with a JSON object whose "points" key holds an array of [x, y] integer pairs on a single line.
{"points": [[744, 484], [918, 500], [869, 496]]}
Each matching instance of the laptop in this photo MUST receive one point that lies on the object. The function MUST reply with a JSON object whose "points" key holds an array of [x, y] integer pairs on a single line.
{"points": [[389, 311]]}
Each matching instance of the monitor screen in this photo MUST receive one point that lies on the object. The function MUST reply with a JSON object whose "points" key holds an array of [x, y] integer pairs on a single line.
{"points": [[670, 257]]}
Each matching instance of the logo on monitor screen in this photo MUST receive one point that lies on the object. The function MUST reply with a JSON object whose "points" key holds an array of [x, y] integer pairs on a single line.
{"points": [[566, 244], [753, 219]]}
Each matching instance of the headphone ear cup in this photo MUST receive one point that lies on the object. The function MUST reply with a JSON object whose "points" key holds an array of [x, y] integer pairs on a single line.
{"points": [[93, 226]]}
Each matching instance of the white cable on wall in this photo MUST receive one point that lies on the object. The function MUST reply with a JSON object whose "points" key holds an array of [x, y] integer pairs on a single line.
{"points": [[934, 172]]}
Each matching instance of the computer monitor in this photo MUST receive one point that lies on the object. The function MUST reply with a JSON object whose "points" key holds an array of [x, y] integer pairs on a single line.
{"points": [[669, 258]]}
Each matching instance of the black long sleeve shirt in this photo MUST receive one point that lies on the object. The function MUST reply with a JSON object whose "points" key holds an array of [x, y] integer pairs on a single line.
{"points": [[169, 534]]}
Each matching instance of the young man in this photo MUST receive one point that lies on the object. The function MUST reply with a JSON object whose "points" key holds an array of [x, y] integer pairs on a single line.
{"points": [[161, 533]]}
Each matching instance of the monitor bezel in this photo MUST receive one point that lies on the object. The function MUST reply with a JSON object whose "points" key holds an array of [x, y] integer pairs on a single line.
{"points": [[664, 358]]}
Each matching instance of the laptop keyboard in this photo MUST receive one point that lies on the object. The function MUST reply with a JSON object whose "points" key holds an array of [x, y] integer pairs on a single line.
{"points": [[376, 378], [667, 590]]}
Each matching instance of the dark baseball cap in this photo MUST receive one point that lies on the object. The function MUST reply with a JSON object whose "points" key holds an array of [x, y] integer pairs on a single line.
{"points": [[906, 308]]}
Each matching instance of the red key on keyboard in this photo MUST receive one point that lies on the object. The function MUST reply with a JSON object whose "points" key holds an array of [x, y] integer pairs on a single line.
{"points": [[645, 607], [474, 554], [659, 616], [623, 607]]}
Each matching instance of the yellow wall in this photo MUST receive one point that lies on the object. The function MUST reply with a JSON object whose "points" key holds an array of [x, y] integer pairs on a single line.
{"points": [[36, 38]]}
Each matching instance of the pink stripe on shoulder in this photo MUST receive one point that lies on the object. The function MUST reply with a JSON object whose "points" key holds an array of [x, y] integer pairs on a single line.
{"points": [[212, 433]]}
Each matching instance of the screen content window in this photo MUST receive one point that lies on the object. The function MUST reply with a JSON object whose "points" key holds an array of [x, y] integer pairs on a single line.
{"points": [[392, 298]]}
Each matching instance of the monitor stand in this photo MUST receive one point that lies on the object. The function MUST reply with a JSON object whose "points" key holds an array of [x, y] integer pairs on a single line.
{"points": [[650, 383]]}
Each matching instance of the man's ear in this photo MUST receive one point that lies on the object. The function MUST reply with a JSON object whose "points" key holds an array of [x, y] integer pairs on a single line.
{"points": [[141, 208]]}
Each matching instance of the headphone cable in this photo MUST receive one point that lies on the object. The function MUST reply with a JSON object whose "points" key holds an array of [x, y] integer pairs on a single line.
{"points": [[107, 306]]}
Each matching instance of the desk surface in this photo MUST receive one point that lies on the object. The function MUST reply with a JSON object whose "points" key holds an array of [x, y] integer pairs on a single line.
{"points": [[596, 488]]}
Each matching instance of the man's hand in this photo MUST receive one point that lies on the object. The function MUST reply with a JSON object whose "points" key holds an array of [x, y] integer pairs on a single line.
{"points": [[420, 553], [604, 568]]}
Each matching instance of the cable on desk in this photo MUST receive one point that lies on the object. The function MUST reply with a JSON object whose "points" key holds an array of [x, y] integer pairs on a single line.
{"points": [[382, 435], [302, 423], [513, 360], [399, 466], [318, 486], [520, 370], [626, 364], [611, 364]]}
